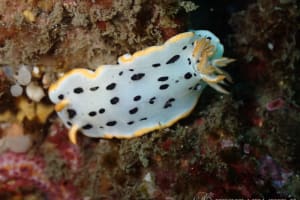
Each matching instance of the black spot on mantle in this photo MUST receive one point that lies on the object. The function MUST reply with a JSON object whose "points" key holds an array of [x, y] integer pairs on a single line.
{"points": [[133, 111], [87, 126], [78, 90], [156, 65], [114, 100], [111, 123], [163, 78], [111, 86], [152, 100], [136, 77], [168, 103], [173, 59], [71, 113], [94, 88], [164, 86]]}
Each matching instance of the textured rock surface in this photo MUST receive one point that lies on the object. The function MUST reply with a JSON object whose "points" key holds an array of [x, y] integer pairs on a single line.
{"points": [[244, 145]]}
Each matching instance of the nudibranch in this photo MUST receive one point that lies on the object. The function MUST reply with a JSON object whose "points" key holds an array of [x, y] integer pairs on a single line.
{"points": [[149, 90]]}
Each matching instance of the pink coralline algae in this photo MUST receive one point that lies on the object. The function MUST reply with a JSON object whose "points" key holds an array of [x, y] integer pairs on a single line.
{"points": [[20, 170], [275, 104], [69, 152]]}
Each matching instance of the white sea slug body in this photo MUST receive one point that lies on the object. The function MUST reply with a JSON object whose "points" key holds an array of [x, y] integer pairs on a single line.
{"points": [[151, 89]]}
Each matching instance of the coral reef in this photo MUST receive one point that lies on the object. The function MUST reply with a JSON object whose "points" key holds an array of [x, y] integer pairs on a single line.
{"points": [[242, 145]]}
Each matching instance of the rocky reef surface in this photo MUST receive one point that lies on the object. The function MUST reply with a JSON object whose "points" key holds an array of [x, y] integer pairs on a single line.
{"points": [[242, 145]]}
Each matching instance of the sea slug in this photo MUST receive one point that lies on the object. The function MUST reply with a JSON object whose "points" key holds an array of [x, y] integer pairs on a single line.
{"points": [[151, 89]]}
